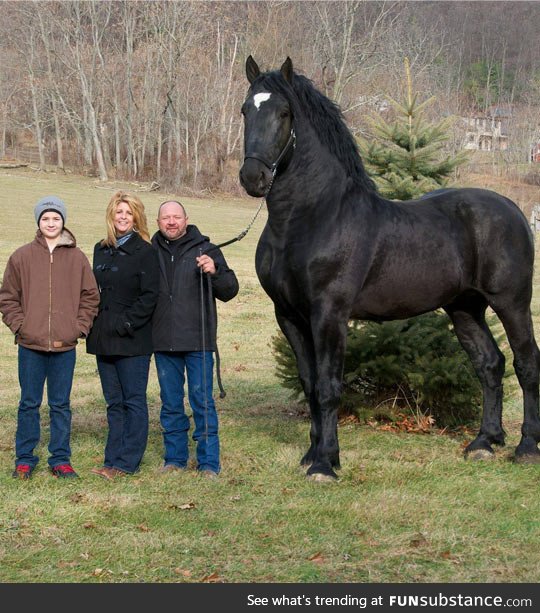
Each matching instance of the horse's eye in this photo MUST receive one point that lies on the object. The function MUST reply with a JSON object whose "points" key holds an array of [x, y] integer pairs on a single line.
{"points": [[284, 113]]}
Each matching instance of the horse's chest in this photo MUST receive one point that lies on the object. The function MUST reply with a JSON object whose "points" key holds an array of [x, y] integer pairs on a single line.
{"points": [[280, 272]]}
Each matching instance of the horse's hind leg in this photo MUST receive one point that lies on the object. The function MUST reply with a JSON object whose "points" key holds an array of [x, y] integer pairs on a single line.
{"points": [[468, 317], [519, 330]]}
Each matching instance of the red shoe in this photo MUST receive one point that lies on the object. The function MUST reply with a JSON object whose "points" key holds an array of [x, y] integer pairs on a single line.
{"points": [[22, 471], [64, 471]]}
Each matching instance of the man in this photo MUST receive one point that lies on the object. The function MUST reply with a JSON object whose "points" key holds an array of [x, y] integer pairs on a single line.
{"points": [[184, 335]]}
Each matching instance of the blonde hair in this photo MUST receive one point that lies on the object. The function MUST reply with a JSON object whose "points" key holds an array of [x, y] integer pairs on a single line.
{"points": [[140, 224]]}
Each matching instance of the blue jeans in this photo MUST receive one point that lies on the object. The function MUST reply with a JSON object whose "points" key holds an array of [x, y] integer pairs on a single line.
{"points": [[171, 369], [124, 380], [36, 367]]}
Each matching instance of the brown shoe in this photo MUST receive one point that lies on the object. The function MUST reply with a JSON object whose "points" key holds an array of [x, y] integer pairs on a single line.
{"points": [[209, 474], [108, 473], [116, 472], [171, 468], [102, 471]]}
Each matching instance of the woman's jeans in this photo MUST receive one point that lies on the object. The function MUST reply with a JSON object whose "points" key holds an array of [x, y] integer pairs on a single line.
{"points": [[36, 367], [124, 381], [171, 368]]}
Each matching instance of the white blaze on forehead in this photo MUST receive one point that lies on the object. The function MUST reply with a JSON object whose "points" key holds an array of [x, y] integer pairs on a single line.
{"points": [[258, 99]]}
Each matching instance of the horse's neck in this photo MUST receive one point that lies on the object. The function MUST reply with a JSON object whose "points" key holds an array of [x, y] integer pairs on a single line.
{"points": [[312, 170], [304, 194]]}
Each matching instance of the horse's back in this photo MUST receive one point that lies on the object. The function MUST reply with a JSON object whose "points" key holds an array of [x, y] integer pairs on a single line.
{"points": [[494, 221], [500, 238], [426, 253]]}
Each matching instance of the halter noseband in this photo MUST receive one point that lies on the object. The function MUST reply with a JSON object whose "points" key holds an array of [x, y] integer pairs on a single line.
{"points": [[273, 167]]}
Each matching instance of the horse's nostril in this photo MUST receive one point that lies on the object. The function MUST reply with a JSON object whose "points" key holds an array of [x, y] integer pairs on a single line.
{"points": [[243, 177]]}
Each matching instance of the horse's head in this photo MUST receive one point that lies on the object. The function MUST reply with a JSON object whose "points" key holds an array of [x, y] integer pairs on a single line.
{"points": [[268, 130]]}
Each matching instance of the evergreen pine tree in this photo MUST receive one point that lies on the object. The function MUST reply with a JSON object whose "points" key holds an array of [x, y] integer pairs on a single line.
{"points": [[405, 157]]}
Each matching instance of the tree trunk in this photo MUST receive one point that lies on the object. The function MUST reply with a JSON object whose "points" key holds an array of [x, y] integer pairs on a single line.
{"points": [[87, 146], [93, 127], [117, 139], [53, 88], [37, 124], [58, 136]]}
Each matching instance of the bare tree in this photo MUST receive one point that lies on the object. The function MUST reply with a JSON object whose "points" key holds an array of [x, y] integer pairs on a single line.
{"points": [[348, 38], [88, 24], [45, 22], [24, 39]]}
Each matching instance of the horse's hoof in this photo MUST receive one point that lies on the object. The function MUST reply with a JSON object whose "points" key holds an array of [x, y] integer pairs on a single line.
{"points": [[479, 455], [320, 478], [527, 458]]}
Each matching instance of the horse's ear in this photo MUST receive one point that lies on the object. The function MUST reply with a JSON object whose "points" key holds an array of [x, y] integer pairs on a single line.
{"points": [[252, 69], [287, 70]]}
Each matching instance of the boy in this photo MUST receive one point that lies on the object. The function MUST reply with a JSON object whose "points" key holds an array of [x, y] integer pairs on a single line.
{"points": [[48, 299]]}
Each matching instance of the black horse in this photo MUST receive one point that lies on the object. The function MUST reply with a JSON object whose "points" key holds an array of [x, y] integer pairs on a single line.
{"points": [[334, 250]]}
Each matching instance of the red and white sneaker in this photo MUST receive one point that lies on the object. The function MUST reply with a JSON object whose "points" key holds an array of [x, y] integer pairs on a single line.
{"points": [[64, 471], [22, 471]]}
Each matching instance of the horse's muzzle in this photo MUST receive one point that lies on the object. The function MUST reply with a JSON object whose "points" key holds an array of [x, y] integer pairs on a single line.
{"points": [[255, 177]]}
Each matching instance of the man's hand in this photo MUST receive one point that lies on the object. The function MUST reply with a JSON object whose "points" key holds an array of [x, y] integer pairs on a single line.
{"points": [[206, 263]]}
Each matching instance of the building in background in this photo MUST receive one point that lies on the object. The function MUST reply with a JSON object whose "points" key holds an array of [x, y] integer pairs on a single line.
{"points": [[488, 132]]}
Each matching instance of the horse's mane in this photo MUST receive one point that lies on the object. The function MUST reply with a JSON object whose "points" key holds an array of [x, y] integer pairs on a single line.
{"points": [[326, 118]]}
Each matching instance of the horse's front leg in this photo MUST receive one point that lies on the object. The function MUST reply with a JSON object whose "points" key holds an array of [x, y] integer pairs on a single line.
{"points": [[298, 334], [314, 430], [329, 338]]}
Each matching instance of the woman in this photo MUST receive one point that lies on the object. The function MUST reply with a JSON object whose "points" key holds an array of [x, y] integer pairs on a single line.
{"points": [[127, 272]]}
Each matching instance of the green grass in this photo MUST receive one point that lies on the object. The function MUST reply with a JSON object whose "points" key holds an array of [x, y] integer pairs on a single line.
{"points": [[407, 507]]}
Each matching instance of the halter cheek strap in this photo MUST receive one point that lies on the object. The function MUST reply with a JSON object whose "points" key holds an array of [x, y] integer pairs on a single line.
{"points": [[273, 166]]}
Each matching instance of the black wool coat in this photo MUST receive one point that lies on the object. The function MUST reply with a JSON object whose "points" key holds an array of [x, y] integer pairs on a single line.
{"points": [[177, 322], [128, 280]]}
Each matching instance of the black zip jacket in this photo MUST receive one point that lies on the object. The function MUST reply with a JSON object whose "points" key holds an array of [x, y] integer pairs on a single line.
{"points": [[177, 324], [128, 280]]}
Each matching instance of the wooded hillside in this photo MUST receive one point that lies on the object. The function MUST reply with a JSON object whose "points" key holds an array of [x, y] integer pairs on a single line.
{"points": [[152, 90]]}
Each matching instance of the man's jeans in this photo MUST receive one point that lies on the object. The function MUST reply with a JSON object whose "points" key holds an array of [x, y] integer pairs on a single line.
{"points": [[36, 367], [124, 381], [171, 368]]}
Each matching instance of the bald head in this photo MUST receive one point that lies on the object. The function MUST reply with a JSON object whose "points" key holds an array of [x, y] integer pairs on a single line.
{"points": [[172, 220]]}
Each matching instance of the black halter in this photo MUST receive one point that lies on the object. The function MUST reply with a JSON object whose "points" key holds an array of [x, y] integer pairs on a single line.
{"points": [[291, 141], [273, 167]]}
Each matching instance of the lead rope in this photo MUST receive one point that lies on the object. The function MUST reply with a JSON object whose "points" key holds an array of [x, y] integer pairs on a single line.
{"points": [[213, 332], [203, 346], [211, 306], [248, 227]]}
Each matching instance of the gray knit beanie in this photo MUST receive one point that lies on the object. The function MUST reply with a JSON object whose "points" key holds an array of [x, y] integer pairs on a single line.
{"points": [[50, 203]]}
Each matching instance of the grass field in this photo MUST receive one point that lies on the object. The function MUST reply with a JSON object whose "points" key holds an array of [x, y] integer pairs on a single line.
{"points": [[407, 507]]}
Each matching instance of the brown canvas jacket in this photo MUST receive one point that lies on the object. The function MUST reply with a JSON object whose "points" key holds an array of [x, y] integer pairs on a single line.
{"points": [[49, 300]]}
